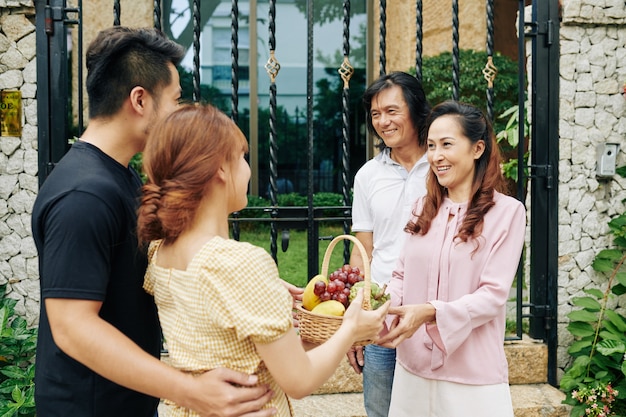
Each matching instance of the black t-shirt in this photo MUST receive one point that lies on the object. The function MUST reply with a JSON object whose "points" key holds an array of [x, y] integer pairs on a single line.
{"points": [[84, 226]]}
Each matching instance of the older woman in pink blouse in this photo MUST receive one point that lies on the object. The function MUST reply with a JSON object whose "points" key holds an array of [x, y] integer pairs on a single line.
{"points": [[453, 277]]}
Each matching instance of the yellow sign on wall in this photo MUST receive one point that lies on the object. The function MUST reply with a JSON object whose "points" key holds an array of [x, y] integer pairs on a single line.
{"points": [[10, 113]]}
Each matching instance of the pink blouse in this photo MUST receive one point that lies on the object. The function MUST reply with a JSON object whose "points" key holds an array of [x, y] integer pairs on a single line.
{"points": [[468, 289]]}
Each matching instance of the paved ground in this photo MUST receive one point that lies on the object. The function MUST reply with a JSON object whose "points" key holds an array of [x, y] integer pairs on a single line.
{"points": [[330, 405], [327, 405], [529, 400]]}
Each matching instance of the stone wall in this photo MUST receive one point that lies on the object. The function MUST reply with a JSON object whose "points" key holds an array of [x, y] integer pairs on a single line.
{"points": [[18, 158], [592, 112]]}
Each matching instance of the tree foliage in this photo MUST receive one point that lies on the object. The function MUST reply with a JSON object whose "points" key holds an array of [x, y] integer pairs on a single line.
{"points": [[437, 81]]}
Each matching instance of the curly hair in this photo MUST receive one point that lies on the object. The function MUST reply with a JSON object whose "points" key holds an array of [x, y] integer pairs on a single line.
{"points": [[182, 155], [487, 174]]}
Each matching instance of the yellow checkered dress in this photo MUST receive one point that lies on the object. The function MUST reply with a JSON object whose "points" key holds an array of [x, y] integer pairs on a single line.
{"points": [[212, 314]]}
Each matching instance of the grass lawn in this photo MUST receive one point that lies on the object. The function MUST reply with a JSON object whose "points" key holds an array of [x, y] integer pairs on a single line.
{"points": [[293, 264]]}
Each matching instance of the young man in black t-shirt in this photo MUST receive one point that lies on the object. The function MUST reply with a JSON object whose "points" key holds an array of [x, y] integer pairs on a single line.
{"points": [[99, 339]]}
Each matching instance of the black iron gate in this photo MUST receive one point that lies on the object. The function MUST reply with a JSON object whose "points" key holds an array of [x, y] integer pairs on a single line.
{"points": [[543, 31], [540, 176]]}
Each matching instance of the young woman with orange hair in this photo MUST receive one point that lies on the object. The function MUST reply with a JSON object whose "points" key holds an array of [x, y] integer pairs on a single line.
{"points": [[220, 301]]}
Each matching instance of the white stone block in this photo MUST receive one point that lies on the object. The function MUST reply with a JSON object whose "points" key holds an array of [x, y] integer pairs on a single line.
{"points": [[13, 59], [29, 136], [565, 172], [567, 67], [585, 99], [29, 73], [616, 12], [598, 73], [567, 113], [569, 247], [18, 268], [591, 225], [30, 163], [28, 248], [571, 8], [29, 90], [32, 311], [11, 79], [30, 112], [585, 44], [15, 164], [22, 201], [5, 43], [584, 82], [9, 246], [586, 243], [585, 116], [32, 267], [607, 86], [27, 46], [580, 145], [8, 184], [596, 34], [16, 26], [8, 145], [14, 221], [584, 258], [565, 233], [567, 88], [592, 184], [569, 48], [5, 272], [586, 204]]}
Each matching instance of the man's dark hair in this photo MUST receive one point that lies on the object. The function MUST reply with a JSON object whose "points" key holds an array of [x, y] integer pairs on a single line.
{"points": [[121, 58], [414, 97]]}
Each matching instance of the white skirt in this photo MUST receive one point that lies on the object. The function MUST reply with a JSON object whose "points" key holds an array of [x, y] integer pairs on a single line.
{"points": [[413, 396]]}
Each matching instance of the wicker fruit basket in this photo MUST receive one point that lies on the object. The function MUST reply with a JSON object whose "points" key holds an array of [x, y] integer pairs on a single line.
{"points": [[317, 328]]}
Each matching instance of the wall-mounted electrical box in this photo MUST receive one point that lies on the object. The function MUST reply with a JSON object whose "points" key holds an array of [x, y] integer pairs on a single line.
{"points": [[606, 154]]}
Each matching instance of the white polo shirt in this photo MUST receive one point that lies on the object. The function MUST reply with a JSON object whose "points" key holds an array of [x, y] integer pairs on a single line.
{"points": [[384, 193]]}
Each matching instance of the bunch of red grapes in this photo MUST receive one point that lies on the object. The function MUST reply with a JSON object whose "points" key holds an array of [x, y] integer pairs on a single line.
{"points": [[339, 284]]}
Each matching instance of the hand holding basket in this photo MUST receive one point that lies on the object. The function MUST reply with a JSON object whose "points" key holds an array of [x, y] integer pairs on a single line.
{"points": [[317, 328]]}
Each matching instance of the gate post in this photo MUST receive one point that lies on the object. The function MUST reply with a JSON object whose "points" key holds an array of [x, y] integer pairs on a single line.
{"points": [[52, 84], [544, 174]]}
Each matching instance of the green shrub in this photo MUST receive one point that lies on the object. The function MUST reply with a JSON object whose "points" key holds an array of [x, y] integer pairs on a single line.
{"points": [[437, 81], [259, 208], [327, 199], [17, 366], [508, 140], [136, 162], [600, 337], [322, 199]]}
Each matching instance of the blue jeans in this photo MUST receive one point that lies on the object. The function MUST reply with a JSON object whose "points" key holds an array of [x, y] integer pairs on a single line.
{"points": [[378, 370]]}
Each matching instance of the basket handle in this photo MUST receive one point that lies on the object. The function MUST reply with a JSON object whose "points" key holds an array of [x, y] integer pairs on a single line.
{"points": [[367, 286]]}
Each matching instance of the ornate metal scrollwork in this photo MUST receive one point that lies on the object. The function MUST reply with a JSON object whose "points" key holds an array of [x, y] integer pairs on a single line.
{"points": [[346, 71], [489, 72], [272, 67]]}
